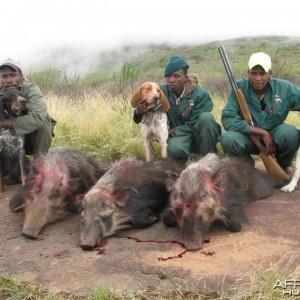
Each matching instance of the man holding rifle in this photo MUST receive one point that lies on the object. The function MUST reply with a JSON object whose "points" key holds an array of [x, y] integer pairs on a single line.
{"points": [[269, 101]]}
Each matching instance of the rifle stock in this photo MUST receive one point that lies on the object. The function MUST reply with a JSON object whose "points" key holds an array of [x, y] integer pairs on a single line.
{"points": [[271, 165]]}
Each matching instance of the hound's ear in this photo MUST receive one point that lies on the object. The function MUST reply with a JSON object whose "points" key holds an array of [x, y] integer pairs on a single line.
{"points": [[164, 101], [137, 96]]}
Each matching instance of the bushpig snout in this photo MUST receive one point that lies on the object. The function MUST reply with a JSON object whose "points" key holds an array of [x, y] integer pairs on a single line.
{"points": [[92, 226], [86, 246], [192, 229], [34, 221], [37, 215]]}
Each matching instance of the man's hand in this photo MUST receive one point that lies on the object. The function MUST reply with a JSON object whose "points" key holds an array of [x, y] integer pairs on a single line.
{"points": [[269, 143], [171, 132], [141, 107], [6, 123], [266, 137]]}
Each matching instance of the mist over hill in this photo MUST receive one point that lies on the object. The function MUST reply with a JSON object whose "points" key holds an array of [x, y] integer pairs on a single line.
{"points": [[150, 58]]}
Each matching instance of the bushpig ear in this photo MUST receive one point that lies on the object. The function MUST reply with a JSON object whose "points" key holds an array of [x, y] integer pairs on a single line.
{"points": [[208, 179], [74, 184], [219, 179], [164, 101], [78, 202], [123, 195], [137, 96], [170, 183]]}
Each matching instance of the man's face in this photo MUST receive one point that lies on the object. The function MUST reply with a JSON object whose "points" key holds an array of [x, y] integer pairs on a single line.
{"points": [[259, 78], [10, 78], [176, 81]]}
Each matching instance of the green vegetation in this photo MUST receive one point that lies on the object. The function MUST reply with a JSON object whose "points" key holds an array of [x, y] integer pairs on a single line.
{"points": [[126, 77], [104, 125], [204, 60], [260, 286], [87, 125], [94, 115]]}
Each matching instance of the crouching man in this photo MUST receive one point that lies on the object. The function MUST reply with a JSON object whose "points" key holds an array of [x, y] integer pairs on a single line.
{"points": [[36, 126], [192, 127]]}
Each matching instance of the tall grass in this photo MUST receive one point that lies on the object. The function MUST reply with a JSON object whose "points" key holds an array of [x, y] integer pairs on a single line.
{"points": [[103, 125]]}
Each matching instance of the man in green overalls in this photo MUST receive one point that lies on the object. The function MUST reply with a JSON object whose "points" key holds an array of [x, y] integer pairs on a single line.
{"points": [[269, 101], [192, 127], [36, 126]]}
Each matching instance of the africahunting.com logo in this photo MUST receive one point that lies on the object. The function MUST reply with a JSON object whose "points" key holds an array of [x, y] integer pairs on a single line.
{"points": [[290, 287]]}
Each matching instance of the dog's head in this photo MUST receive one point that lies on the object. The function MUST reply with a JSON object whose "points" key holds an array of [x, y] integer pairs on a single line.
{"points": [[14, 104], [151, 92]]}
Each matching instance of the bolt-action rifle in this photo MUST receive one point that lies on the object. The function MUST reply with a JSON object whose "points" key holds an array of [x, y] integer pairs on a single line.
{"points": [[272, 167]]}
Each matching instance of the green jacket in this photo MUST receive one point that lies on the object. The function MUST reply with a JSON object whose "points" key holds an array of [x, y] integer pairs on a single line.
{"points": [[281, 96], [196, 100], [37, 109]]}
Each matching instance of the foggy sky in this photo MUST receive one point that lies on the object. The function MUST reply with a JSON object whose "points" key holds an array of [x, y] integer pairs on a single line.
{"points": [[32, 28]]}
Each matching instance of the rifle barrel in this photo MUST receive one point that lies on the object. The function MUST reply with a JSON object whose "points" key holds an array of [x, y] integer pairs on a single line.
{"points": [[228, 68]]}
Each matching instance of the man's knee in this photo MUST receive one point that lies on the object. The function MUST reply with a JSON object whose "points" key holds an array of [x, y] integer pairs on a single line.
{"points": [[292, 138], [287, 138], [226, 141], [234, 143], [176, 149], [207, 125], [43, 140], [205, 119]]}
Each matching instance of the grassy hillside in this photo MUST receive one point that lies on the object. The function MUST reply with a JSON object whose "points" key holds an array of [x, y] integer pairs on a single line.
{"points": [[204, 59]]}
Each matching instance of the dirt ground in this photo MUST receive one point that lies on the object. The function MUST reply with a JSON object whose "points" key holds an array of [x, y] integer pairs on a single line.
{"points": [[56, 261]]}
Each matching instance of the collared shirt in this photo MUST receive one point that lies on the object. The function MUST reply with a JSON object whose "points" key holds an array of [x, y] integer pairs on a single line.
{"points": [[281, 96], [182, 118]]}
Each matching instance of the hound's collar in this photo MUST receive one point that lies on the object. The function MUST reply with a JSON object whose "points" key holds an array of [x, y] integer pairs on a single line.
{"points": [[154, 107]]}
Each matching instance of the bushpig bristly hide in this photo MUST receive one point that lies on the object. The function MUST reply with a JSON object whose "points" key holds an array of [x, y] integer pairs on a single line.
{"points": [[210, 190], [55, 187], [131, 193]]}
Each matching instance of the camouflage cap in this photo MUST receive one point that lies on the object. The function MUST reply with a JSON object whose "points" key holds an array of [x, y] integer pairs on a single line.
{"points": [[15, 65]]}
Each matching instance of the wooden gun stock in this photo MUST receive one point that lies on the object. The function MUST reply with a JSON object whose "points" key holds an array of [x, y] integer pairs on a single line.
{"points": [[271, 165]]}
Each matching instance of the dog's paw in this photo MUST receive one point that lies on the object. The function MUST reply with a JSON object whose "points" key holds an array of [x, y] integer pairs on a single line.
{"points": [[289, 187]]}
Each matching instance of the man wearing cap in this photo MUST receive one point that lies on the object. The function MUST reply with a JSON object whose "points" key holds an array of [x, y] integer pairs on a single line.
{"points": [[36, 126], [269, 100], [192, 127]]}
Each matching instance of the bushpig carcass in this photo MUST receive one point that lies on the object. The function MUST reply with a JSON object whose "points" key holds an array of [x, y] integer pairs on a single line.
{"points": [[131, 193], [55, 186], [213, 190]]}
